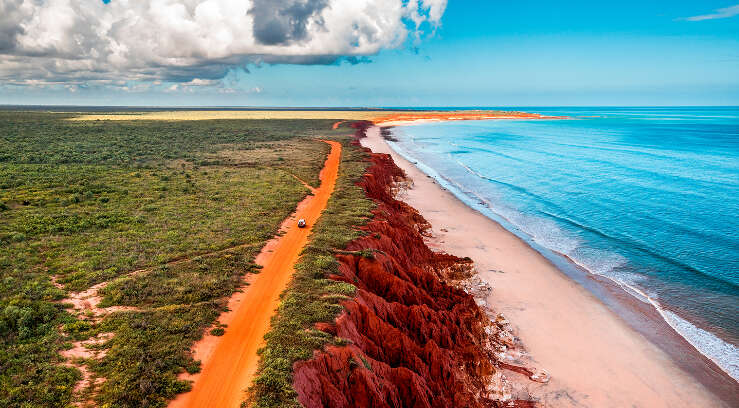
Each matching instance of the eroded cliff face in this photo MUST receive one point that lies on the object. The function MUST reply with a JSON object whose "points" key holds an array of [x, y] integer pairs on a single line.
{"points": [[416, 338]]}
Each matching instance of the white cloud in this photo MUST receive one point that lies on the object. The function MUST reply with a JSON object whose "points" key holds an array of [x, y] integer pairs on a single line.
{"points": [[193, 41], [720, 13], [202, 82]]}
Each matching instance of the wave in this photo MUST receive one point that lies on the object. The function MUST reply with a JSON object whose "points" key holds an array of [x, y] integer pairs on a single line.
{"points": [[541, 230], [512, 187], [598, 262], [725, 355], [549, 235], [643, 248]]}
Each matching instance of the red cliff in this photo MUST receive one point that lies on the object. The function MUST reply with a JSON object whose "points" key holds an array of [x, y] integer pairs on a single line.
{"points": [[415, 338]]}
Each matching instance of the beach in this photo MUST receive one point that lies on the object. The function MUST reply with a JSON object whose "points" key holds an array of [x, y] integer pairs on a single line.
{"points": [[594, 358]]}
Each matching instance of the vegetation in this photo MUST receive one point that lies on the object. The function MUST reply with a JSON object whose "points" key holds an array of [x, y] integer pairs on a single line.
{"points": [[355, 114], [312, 297], [169, 214]]}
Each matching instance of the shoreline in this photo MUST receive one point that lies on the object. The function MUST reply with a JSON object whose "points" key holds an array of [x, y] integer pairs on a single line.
{"points": [[677, 335], [598, 358], [711, 347]]}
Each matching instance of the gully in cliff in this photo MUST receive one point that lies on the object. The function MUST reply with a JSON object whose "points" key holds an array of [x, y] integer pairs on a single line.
{"points": [[417, 337]]}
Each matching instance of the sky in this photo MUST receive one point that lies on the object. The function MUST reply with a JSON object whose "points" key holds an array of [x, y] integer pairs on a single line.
{"points": [[369, 53]]}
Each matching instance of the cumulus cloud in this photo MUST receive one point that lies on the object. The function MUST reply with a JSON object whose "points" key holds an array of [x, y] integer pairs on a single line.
{"points": [[181, 41], [284, 21], [720, 13]]}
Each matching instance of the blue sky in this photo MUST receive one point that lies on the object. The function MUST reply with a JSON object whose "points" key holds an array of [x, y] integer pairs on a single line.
{"points": [[488, 53]]}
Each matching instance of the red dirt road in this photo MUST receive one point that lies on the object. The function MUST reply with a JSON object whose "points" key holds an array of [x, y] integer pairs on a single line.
{"points": [[230, 361]]}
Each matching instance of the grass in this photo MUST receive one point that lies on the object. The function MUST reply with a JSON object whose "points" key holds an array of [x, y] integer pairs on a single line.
{"points": [[48, 138], [312, 297], [186, 204]]}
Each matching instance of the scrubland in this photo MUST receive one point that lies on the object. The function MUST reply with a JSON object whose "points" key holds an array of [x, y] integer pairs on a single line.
{"points": [[156, 220]]}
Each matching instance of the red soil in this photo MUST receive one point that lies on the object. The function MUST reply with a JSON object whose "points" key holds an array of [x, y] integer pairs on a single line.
{"points": [[415, 339], [230, 361]]}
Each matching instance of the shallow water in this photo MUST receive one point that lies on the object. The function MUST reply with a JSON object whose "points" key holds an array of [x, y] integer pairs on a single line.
{"points": [[648, 197]]}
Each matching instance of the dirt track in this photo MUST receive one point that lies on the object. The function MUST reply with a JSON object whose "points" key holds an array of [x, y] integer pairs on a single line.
{"points": [[230, 361]]}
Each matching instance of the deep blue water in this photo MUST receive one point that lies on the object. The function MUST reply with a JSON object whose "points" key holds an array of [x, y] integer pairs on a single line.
{"points": [[648, 197]]}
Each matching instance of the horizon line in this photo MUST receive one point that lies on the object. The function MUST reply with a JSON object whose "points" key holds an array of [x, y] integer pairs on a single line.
{"points": [[309, 107]]}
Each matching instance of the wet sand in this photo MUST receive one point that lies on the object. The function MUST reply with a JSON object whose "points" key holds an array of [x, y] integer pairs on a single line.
{"points": [[594, 358], [229, 362]]}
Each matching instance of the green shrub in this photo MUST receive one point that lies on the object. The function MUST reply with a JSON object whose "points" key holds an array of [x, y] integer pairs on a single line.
{"points": [[311, 297], [90, 202]]}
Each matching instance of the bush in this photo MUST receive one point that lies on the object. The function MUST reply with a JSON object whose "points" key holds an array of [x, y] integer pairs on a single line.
{"points": [[311, 297], [90, 202]]}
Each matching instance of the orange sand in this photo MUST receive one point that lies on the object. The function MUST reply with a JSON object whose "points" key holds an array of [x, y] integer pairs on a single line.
{"points": [[230, 361]]}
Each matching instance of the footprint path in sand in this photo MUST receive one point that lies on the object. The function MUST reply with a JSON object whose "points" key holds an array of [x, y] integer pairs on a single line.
{"points": [[230, 361]]}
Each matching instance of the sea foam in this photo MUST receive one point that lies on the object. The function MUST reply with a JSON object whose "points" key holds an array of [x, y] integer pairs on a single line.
{"points": [[725, 355], [646, 205]]}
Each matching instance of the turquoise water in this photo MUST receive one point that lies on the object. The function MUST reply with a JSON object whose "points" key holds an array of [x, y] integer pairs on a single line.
{"points": [[648, 197]]}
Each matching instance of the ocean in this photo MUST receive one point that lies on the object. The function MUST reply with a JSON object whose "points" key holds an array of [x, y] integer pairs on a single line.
{"points": [[647, 197]]}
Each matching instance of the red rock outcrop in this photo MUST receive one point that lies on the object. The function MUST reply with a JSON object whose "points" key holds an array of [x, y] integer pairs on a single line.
{"points": [[415, 339]]}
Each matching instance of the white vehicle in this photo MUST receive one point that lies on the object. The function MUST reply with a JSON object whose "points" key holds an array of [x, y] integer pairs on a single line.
{"points": [[301, 223]]}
